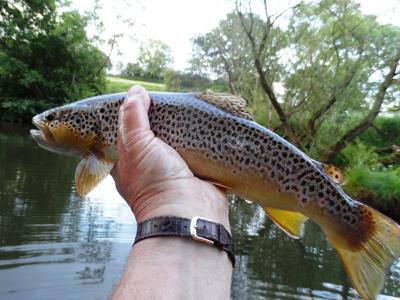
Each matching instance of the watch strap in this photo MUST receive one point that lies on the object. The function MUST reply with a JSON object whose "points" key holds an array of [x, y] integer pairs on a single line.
{"points": [[197, 228]]}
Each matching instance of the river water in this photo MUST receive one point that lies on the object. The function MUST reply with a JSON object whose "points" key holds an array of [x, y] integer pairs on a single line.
{"points": [[56, 245]]}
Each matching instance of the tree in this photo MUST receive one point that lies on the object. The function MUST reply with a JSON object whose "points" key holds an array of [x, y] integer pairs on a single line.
{"points": [[178, 81], [323, 77], [44, 56], [132, 71], [154, 57], [224, 52]]}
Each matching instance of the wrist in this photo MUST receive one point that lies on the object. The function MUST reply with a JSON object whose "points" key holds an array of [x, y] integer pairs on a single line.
{"points": [[195, 198]]}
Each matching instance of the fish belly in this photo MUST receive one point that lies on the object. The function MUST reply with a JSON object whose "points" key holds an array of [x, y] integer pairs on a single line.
{"points": [[245, 182]]}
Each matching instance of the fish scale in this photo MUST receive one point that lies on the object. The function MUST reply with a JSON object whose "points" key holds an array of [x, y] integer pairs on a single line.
{"points": [[218, 140]]}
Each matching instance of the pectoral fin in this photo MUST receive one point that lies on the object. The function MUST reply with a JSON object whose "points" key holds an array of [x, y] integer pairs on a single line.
{"points": [[290, 222], [90, 172]]}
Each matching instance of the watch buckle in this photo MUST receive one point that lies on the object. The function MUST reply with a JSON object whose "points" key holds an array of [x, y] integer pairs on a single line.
{"points": [[193, 231]]}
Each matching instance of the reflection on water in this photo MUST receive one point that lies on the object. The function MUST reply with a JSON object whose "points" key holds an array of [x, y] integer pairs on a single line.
{"points": [[55, 244]]}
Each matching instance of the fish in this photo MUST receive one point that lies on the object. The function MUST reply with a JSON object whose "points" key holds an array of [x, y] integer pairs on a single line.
{"points": [[221, 143]]}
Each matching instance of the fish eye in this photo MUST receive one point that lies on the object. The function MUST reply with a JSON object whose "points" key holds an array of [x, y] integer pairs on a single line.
{"points": [[50, 117]]}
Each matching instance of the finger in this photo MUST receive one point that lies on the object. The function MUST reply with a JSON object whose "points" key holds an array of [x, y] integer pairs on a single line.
{"points": [[133, 115], [135, 109]]}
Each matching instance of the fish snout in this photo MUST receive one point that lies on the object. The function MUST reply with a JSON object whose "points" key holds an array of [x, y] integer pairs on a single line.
{"points": [[41, 122], [38, 121]]}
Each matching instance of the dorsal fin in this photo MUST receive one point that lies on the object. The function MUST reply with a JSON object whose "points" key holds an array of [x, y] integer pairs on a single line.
{"points": [[227, 102]]}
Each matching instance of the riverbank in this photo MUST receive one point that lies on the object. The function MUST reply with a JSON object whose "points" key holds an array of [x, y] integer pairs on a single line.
{"points": [[117, 84]]}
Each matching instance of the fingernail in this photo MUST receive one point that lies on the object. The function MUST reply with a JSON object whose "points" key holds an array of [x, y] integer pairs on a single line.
{"points": [[134, 92]]}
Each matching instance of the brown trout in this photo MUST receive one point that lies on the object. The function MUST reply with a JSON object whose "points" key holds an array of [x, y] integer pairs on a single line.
{"points": [[220, 143]]}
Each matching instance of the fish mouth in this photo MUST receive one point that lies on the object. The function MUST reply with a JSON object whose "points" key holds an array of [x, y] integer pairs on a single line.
{"points": [[37, 121], [44, 138], [43, 134]]}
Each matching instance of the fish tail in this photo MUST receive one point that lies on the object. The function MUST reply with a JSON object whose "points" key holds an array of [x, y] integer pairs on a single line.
{"points": [[368, 251]]}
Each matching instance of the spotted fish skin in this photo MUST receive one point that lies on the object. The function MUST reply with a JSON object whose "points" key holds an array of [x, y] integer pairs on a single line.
{"points": [[242, 145], [189, 124], [245, 157]]}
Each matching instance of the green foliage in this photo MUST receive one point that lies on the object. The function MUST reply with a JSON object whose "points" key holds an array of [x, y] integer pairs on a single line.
{"points": [[45, 56], [116, 85], [219, 86], [154, 58], [133, 70], [226, 52], [21, 109], [359, 154], [178, 81], [321, 66], [384, 186], [384, 133], [187, 82]]}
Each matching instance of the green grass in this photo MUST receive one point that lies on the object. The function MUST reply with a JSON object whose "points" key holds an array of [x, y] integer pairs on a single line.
{"points": [[117, 84]]}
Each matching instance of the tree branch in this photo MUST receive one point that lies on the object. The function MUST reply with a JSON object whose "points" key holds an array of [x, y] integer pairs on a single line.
{"points": [[367, 121], [266, 86], [337, 90]]}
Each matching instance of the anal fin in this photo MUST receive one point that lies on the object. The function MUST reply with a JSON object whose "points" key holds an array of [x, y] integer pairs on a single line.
{"points": [[289, 221], [90, 172]]}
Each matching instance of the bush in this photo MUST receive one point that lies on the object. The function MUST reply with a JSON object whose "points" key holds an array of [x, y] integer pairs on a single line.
{"points": [[359, 154], [381, 186], [384, 133], [178, 81], [21, 110], [46, 57]]}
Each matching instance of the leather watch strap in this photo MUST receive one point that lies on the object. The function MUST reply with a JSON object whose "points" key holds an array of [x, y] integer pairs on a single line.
{"points": [[197, 228]]}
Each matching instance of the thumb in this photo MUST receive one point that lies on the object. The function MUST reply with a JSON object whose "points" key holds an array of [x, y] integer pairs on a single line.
{"points": [[133, 122]]}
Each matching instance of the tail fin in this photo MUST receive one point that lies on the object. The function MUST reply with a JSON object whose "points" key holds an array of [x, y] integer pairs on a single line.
{"points": [[369, 252]]}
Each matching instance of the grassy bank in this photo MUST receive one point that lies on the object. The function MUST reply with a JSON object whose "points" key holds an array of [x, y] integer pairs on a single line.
{"points": [[118, 84]]}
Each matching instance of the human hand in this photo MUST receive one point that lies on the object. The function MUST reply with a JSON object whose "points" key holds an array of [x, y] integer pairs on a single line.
{"points": [[153, 178], [155, 181]]}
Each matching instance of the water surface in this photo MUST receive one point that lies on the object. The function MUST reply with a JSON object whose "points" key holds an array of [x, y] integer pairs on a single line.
{"points": [[54, 244]]}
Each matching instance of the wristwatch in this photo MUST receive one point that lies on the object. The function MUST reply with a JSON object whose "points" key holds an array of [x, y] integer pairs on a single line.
{"points": [[199, 229]]}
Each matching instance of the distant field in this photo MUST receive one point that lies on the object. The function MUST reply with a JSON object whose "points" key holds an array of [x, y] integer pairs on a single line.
{"points": [[117, 84]]}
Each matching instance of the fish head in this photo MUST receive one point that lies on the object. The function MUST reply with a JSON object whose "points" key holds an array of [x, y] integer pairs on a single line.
{"points": [[86, 128], [66, 130]]}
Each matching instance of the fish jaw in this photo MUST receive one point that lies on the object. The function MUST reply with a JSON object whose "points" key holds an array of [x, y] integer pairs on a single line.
{"points": [[39, 137], [59, 138]]}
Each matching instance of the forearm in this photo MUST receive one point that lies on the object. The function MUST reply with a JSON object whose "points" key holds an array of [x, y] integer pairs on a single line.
{"points": [[175, 268]]}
